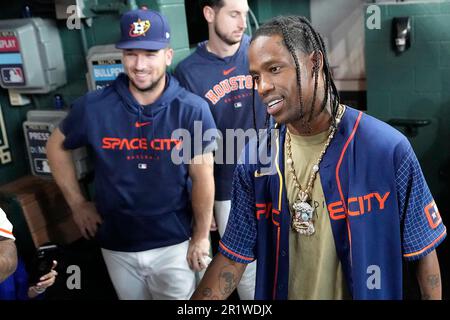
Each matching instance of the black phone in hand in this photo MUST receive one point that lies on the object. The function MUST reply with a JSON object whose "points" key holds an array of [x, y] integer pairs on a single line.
{"points": [[43, 262]]}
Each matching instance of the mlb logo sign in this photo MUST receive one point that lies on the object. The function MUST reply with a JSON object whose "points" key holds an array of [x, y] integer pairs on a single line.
{"points": [[433, 216], [12, 75], [41, 165], [139, 28]]}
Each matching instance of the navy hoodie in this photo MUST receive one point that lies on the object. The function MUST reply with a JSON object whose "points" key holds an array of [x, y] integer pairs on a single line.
{"points": [[225, 83], [140, 193]]}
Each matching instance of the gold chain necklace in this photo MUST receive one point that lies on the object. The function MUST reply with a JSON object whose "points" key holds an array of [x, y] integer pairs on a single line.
{"points": [[302, 219]]}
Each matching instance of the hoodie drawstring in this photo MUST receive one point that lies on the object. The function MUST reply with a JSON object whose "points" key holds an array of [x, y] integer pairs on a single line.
{"points": [[140, 131], [152, 152]]}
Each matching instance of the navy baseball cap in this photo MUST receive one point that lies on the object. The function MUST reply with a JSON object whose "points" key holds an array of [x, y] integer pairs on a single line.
{"points": [[143, 29]]}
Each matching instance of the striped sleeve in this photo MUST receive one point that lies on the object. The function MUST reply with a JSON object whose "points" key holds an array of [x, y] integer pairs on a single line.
{"points": [[239, 239], [423, 229], [5, 226]]}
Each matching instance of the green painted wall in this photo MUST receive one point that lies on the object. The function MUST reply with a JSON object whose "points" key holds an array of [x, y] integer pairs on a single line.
{"points": [[13, 117], [415, 84], [264, 10]]}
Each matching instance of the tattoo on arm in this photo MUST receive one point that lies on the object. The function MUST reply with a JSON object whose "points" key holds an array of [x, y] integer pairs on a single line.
{"points": [[227, 280], [207, 292], [433, 281], [220, 279]]}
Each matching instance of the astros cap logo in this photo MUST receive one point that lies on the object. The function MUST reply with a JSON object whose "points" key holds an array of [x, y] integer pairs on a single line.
{"points": [[143, 29], [139, 28]]}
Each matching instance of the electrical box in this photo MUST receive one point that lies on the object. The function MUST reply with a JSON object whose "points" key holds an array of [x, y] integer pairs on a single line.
{"points": [[37, 129], [31, 56], [104, 65]]}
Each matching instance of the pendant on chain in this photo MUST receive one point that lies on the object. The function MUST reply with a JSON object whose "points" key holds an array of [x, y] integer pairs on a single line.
{"points": [[302, 218]]}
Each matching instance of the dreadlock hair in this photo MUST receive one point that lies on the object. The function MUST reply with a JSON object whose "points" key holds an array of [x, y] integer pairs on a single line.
{"points": [[299, 35]]}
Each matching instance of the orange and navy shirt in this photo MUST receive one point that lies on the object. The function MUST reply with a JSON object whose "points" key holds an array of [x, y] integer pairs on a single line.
{"points": [[380, 208]]}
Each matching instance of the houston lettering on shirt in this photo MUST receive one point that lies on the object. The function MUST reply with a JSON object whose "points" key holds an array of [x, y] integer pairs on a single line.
{"points": [[227, 86]]}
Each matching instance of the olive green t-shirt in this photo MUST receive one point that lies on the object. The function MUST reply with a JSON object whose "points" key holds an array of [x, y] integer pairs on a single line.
{"points": [[315, 272]]}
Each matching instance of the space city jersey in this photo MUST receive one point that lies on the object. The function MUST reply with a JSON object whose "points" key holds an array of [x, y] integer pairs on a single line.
{"points": [[380, 209], [226, 84], [140, 191]]}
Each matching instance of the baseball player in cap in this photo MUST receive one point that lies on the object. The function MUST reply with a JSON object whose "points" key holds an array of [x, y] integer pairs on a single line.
{"points": [[153, 232]]}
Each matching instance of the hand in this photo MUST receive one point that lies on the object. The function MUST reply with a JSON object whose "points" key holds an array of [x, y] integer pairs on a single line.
{"points": [[87, 218], [44, 282], [198, 250]]}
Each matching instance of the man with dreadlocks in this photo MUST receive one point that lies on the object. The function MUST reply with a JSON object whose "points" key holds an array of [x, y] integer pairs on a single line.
{"points": [[344, 201]]}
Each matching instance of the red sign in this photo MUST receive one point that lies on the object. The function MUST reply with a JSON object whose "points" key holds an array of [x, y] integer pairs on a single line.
{"points": [[9, 44]]}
